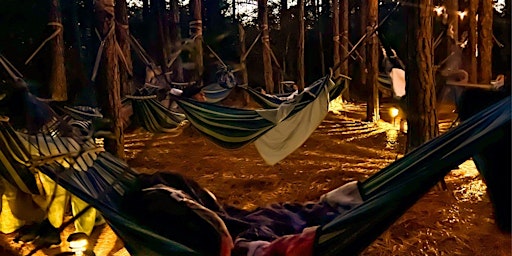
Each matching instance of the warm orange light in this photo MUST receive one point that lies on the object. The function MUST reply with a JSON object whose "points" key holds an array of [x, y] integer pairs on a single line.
{"points": [[439, 10], [462, 14]]}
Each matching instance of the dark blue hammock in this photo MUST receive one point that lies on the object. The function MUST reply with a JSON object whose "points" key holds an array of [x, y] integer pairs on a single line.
{"points": [[387, 194]]}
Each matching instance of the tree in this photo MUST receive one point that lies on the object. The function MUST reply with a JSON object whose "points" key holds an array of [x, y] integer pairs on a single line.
{"points": [[452, 8], [176, 66], [421, 96], [107, 81], [485, 42], [336, 35], [300, 61], [265, 40], [363, 23], [123, 39], [163, 45], [473, 41], [344, 35], [372, 63], [57, 82], [196, 32]]}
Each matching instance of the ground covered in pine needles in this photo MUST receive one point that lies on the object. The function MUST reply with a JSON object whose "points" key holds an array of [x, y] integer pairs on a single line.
{"points": [[456, 221]]}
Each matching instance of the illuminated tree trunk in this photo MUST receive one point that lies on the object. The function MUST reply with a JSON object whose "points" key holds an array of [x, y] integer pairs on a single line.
{"points": [[300, 61], [372, 64], [57, 82], [452, 8], [107, 81], [473, 41], [196, 32], [336, 35], [265, 40], [485, 41], [123, 39], [421, 96], [245, 76]]}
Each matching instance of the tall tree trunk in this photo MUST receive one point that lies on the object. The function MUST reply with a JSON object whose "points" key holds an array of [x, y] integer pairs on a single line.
{"points": [[123, 39], [300, 61], [473, 41], [344, 38], [421, 96], [241, 32], [164, 44], [265, 40], [364, 16], [372, 64], [284, 20], [452, 8], [336, 35], [107, 82], [58, 84], [344, 34], [485, 42], [196, 32], [176, 67]]}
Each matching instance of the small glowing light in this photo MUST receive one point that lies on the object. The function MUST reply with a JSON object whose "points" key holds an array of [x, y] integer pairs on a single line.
{"points": [[439, 10], [393, 112], [462, 14]]}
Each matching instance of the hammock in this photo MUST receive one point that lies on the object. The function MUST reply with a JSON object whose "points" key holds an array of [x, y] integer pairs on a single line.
{"points": [[274, 100], [277, 132], [150, 114], [387, 194]]}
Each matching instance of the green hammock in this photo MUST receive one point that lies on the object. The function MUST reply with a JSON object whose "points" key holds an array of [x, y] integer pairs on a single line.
{"points": [[150, 114]]}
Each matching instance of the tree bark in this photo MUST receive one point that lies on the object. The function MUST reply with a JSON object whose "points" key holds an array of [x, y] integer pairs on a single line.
{"points": [[473, 41], [421, 96], [176, 67], [364, 16], [265, 40], [123, 39], [164, 44], [196, 32], [372, 64], [107, 82], [452, 8], [58, 84], [241, 32], [300, 61], [336, 35], [344, 39], [485, 41]]}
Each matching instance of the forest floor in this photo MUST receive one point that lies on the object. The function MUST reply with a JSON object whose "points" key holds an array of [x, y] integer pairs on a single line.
{"points": [[456, 221]]}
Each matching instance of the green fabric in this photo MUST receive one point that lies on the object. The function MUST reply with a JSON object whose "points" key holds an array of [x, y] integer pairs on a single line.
{"points": [[153, 116]]}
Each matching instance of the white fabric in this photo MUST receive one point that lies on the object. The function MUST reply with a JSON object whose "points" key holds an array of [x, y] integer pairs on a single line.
{"points": [[176, 92], [344, 197], [289, 134], [398, 81]]}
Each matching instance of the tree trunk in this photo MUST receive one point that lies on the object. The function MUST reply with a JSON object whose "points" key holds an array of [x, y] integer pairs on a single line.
{"points": [[164, 44], [452, 8], [58, 84], [473, 41], [344, 35], [344, 39], [336, 36], [196, 32], [362, 51], [245, 76], [107, 82], [372, 64], [176, 67], [123, 39], [421, 96], [265, 40], [485, 41], [300, 60]]}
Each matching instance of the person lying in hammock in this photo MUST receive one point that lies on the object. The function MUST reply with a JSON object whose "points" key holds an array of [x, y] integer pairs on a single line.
{"points": [[181, 210]]}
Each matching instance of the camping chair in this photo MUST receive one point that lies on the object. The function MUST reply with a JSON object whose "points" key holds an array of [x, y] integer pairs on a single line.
{"points": [[386, 194]]}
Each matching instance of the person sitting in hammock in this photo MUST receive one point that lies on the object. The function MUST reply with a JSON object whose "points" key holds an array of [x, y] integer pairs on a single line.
{"points": [[180, 209]]}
